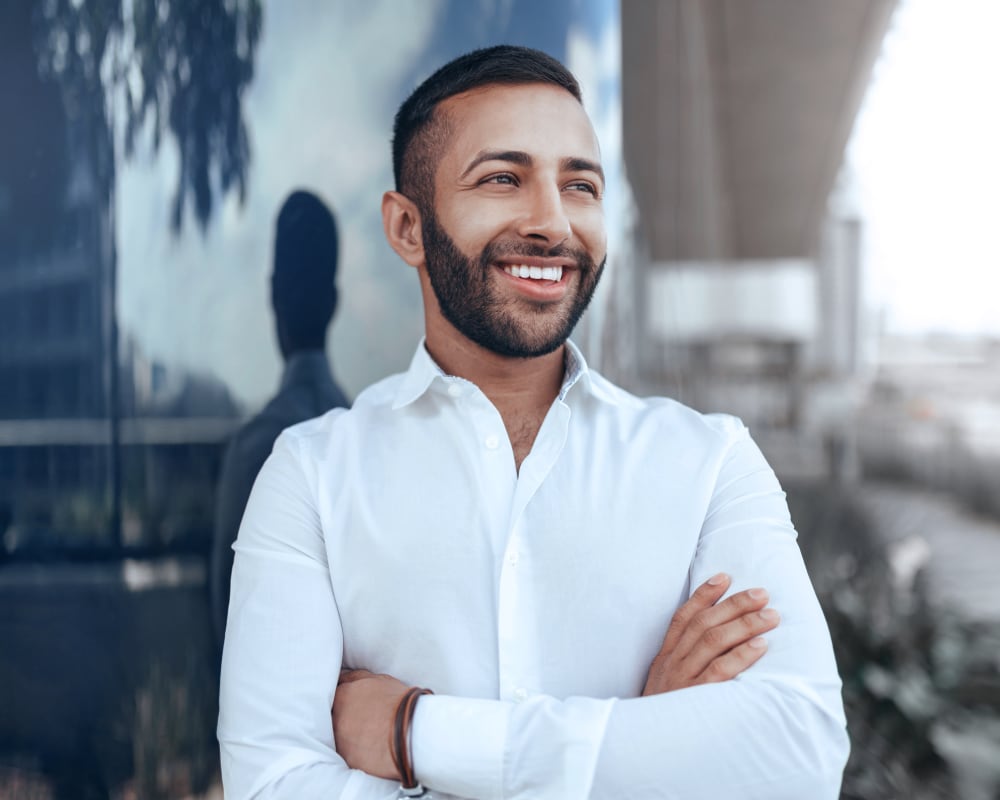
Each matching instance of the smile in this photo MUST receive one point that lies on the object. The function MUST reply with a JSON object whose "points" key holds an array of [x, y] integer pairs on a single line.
{"points": [[535, 273]]}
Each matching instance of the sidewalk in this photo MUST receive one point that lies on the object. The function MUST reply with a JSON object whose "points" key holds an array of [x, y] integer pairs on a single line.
{"points": [[958, 551]]}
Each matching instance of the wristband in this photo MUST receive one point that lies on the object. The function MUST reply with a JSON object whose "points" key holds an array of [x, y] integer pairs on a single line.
{"points": [[399, 744]]}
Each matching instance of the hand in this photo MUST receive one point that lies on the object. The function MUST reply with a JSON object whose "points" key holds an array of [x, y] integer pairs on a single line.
{"points": [[364, 710], [710, 642]]}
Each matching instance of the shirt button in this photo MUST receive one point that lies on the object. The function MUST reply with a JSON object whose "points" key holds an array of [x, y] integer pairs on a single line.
{"points": [[492, 441], [520, 695], [512, 559], [454, 390]]}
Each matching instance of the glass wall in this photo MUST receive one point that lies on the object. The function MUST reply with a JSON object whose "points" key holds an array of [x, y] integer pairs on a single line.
{"points": [[146, 150]]}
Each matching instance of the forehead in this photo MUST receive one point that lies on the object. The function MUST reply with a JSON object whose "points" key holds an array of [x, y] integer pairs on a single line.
{"points": [[540, 119]]}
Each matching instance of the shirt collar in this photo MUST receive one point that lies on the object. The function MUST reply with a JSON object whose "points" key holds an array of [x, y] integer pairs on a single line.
{"points": [[576, 369], [423, 370], [418, 378]]}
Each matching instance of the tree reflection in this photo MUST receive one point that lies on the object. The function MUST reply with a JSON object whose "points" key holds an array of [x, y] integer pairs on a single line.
{"points": [[129, 73], [128, 66]]}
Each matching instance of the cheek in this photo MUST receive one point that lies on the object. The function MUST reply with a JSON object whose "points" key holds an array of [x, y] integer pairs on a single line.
{"points": [[472, 226], [589, 227]]}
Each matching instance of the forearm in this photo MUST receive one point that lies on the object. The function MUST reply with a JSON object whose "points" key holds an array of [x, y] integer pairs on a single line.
{"points": [[743, 738], [748, 738], [300, 774]]}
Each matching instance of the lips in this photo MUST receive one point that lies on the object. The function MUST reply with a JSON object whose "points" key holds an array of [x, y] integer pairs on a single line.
{"points": [[540, 283]]}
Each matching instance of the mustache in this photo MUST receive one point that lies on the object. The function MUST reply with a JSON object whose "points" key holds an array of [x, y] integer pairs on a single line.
{"points": [[504, 249]]}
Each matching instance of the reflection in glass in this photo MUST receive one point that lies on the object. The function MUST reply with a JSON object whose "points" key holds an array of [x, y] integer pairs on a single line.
{"points": [[94, 80]]}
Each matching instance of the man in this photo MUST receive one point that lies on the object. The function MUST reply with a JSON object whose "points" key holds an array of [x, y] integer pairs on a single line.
{"points": [[505, 527], [304, 299]]}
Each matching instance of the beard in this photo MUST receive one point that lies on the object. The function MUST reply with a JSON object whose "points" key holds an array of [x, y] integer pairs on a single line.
{"points": [[468, 298]]}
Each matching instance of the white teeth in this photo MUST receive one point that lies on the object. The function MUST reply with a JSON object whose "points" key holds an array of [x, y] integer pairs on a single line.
{"points": [[537, 273]]}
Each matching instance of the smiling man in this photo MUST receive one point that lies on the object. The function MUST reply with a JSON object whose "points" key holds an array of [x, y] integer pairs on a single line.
{"points": [[604, 593]]}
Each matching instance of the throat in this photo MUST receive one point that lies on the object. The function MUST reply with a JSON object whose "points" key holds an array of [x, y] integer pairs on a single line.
{"points": [[522, 431]]}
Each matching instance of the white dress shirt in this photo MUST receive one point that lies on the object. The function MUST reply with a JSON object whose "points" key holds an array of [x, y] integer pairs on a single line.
{"points": [[398, 536]]}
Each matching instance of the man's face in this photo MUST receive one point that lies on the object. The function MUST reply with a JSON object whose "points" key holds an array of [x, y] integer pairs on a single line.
{"points": [[515, 244]]}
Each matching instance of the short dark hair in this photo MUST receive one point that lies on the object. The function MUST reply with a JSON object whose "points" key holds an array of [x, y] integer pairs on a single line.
{"points": [[418, 137], [303, 290]]}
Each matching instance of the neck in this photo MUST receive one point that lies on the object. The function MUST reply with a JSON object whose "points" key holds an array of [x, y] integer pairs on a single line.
{"points": [[521, 389], [513, 385]]}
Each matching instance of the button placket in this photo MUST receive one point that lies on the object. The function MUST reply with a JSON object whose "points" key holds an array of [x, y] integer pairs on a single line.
{"points": [[499, 474], [514, 626]]}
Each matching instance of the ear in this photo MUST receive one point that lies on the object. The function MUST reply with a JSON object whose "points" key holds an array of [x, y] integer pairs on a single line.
{"points": [[401, 221]]}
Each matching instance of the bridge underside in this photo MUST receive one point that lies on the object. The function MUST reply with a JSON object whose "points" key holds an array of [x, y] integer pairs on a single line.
{"points": [[736, 116]]}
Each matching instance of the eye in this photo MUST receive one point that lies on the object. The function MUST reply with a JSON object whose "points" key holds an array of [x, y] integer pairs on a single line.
{"points": [[500, 179], [584, 186]]}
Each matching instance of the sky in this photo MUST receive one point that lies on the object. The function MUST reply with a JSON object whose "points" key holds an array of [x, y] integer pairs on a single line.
{"points": [[926, 157]]}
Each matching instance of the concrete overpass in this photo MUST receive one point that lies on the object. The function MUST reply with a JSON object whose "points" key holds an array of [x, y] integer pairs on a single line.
{"points": [[736, 115]]}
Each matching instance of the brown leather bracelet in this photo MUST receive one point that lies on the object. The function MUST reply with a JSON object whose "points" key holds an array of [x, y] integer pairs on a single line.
{"points": [[399, 745]]}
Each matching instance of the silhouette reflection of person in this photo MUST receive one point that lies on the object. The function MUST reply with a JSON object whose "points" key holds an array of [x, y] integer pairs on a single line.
{"points": [[304, 297]]}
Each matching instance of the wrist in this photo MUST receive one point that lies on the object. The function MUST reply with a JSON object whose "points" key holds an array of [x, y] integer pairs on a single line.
{"points": [[399, 743]]}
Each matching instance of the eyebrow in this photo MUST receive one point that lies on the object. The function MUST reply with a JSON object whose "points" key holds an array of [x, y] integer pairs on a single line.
{"points": [[582, 165], [519, 157]]}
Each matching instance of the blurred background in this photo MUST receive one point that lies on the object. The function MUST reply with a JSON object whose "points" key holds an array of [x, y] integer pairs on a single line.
{"points": [[803, 210]]}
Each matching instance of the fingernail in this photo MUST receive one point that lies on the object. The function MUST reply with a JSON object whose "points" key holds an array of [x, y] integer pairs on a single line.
{"points": [[715, 580], [757, 594], [770, 615], [759, 643]]}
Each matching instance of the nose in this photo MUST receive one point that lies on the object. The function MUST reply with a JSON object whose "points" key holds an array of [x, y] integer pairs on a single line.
{"points": [[544, 217]]}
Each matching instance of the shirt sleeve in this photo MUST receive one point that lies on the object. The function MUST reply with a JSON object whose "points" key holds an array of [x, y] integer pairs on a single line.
{"points": [[239, 468], [279, 668], [777, 732]]}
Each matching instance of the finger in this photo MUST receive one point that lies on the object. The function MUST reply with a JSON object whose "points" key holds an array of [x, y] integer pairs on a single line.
{"points": [[721, 639], [351, 675], [704, 597], [734, 607], [736, 661]]}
